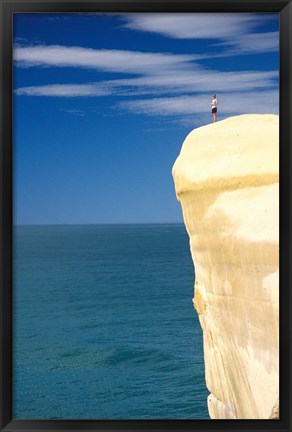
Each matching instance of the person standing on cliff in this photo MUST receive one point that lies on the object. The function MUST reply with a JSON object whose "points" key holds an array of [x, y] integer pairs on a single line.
{"points": [[214, 105]]}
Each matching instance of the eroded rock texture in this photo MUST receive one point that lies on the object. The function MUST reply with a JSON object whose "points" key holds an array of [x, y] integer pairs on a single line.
{"points": [[227, 181]]}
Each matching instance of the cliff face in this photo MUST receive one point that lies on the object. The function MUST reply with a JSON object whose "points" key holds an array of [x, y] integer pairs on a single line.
{"points": [[226, 179]]}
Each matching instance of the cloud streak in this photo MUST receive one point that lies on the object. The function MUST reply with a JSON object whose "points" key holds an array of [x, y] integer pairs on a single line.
{"points": [[254, 43], [198, 81], [235, 31], [121, 61], [63, 90], [193, 26], [168, 84], [154, 73], [250, 102]]}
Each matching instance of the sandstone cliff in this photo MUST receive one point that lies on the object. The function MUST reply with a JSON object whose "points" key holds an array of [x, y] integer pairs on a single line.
{"points": [[226, 179]]}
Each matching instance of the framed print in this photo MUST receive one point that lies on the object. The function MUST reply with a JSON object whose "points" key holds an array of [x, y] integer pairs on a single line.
{"points": [[145, 215]]}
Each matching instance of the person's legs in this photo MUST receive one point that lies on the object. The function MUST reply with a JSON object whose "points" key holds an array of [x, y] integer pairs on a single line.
{"points": [[214, 114]]}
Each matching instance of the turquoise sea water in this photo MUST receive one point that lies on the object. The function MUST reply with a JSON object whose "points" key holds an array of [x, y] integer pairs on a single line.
{"points": [[104, 326]]}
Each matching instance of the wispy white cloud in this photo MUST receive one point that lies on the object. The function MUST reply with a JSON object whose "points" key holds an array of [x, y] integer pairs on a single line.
{"points": [[230, 103], [106, 60], [159, 74], [253, 43], [74, 112], [197, 81], [237, 31], [63, 90], [193, 26], [57, 16], [156, 73]]}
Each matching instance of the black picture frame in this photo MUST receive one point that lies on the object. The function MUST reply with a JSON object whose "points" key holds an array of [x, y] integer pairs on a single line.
{"points": [[8, 7]]}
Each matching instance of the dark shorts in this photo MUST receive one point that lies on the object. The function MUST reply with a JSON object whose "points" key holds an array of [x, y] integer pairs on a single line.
{"points": [[214, 110]]}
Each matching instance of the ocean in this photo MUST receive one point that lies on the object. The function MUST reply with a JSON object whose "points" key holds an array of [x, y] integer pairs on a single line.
{"points": [[104, 325]]}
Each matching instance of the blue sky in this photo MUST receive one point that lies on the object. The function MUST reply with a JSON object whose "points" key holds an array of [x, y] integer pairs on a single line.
{"points": [[103, 103]]}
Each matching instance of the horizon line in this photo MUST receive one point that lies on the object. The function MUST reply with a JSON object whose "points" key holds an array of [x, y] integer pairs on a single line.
{"points": [[97, 223]]}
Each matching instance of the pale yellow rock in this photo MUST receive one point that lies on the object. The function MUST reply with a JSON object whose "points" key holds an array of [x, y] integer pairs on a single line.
{"points": [[227, 180]]}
